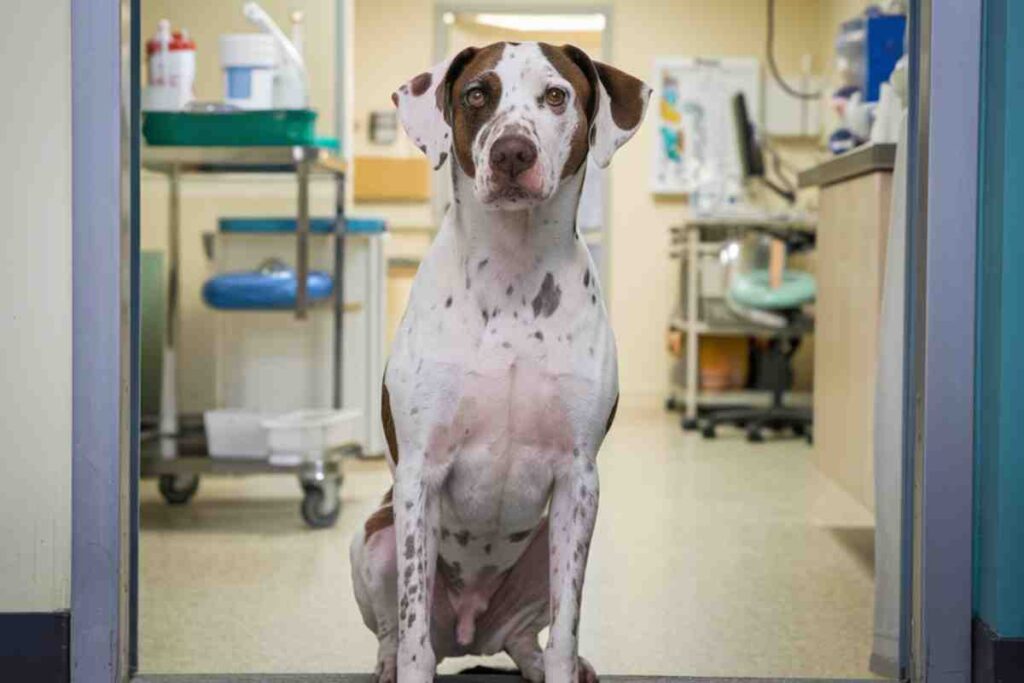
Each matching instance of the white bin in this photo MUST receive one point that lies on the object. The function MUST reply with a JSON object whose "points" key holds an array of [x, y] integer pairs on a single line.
{"points": [[312, 431], [236, 433]]}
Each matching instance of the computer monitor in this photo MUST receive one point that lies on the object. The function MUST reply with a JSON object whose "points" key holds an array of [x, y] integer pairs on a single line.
{"points": [[750, 152]]}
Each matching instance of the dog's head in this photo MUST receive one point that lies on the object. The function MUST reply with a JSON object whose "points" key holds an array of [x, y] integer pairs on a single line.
{"points": [[521, 117]]}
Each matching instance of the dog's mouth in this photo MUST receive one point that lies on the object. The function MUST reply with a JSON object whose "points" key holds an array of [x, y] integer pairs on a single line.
{"points": [[522, 191]]}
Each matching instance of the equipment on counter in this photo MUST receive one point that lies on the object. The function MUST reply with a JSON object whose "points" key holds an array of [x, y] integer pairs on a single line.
{"points": [[171, 70], [291, 81]]}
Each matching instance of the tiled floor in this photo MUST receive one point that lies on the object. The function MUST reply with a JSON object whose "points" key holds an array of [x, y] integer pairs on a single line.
{"points": [[711, 558]]}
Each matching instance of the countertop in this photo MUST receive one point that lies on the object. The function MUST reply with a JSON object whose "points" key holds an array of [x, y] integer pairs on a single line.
{"points": [[864, 159]]}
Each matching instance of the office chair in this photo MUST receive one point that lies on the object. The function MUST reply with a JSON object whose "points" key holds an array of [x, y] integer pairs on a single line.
{"points": [[778, 313]]}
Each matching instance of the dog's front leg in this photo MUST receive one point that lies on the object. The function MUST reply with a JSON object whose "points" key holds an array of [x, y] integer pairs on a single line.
{"points": [[573, 513], [417, 513]]}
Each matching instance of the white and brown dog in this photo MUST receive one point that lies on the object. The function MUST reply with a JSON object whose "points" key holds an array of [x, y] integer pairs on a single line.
{"points": [[503, 380]]}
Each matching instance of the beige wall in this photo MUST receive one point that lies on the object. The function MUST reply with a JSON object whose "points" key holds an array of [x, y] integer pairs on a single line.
{"points": [[35, 312]]}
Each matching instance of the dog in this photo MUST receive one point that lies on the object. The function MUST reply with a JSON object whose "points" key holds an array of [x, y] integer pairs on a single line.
{"points": [[502, 380]]}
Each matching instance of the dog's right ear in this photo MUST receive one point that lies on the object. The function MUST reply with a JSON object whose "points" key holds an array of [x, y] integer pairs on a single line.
{"points": [[424, 106]]}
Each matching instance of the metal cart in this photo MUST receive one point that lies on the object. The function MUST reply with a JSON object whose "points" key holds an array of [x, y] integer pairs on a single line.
{"points": [[701, 237], [176, 451]]}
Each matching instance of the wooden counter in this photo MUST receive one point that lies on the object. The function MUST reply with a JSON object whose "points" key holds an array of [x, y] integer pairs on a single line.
{"points": [[853, 225]]}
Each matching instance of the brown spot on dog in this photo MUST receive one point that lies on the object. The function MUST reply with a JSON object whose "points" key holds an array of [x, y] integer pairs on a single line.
{"points": [[462, 537], [548, 297], [410, 547], [382, 518], [611, 416], [420, 84], [389, 424]]}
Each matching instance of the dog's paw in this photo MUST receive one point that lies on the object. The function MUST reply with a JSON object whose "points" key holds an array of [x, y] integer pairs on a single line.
{"points": [[585, 672], [387, 670]]}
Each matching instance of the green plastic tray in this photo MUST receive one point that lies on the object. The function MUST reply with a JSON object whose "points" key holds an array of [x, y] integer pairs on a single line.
{"points": [[231, 129]]}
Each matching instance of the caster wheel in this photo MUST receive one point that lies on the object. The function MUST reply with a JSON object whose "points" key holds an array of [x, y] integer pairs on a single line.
{"points": [[799, 430], [755, 436], [810, 438], [708, 432], [317, 510], [670, 403], [178, 489], [689, 424]]}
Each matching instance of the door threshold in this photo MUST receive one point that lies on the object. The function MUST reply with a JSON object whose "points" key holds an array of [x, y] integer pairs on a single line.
{"points": [[460, 678]]}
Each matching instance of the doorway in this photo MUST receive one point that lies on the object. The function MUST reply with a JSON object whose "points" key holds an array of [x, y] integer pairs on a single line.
{"points": [[123, 640]]}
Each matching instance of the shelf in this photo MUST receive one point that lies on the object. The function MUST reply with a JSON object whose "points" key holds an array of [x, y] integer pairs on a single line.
{"points": [[746, 397], [165, 159]]}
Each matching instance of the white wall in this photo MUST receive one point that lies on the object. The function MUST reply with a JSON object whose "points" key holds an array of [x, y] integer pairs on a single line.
{"points": [[35, 309]]}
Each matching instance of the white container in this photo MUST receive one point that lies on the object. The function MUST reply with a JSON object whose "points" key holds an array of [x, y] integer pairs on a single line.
{"points": [[312, 432], [171, 73], [249, 61], [236, 433]]}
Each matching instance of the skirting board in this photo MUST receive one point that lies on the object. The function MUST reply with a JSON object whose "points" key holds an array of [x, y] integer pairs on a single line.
{"points": [[996, 659], [34, 646]]}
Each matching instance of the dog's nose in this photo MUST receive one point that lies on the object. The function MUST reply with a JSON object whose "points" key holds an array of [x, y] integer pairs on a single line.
{"points": [[512, 154]]}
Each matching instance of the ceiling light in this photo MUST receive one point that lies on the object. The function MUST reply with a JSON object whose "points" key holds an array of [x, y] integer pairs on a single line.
{"points": [[543, 22]]}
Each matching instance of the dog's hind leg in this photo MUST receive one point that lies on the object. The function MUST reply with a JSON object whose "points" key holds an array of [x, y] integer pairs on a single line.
{"points": [[375, 579]]}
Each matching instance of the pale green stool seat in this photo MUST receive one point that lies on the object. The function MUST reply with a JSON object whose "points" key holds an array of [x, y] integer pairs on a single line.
{"points": [[754, 290]]}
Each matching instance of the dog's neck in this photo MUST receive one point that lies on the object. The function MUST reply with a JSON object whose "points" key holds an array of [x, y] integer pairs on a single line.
{"points": [[544, 232]]}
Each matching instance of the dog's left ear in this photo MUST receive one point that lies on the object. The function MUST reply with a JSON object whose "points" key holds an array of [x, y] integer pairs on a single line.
{"points": [[617, 106], [424, 103]]}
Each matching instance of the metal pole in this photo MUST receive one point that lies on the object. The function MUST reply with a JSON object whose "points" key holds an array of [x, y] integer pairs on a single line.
{"points": [[339, 292], [302, 239], [692, 348], [169, 380]]}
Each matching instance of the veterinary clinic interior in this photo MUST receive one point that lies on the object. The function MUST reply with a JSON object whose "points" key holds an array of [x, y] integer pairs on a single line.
{"points": [[749, 247]]}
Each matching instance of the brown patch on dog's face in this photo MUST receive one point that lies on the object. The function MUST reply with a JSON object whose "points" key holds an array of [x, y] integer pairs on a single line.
{"points": [[583, 102], [468, 117]]}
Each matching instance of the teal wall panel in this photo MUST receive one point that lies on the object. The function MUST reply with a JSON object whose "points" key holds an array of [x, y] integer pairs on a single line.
{"points": [[999, 405]]}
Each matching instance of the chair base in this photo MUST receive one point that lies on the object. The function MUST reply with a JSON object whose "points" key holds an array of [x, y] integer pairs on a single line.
{"points": [[756, 420]]}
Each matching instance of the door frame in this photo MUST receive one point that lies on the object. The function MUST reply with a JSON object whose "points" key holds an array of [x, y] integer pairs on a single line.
{"points": [[938, 415], [942, 224]]}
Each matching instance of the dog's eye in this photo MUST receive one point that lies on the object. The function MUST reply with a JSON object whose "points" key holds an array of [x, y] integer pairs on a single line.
{"points": [[554, 97], [476, 97]]}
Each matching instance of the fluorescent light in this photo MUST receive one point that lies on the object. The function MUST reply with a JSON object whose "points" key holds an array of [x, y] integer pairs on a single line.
{"points": [[543, 22], [448, 18]]}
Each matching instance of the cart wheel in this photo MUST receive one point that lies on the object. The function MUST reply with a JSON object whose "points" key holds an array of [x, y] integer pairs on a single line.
{"points": [[318, 512], [670, 403], [690, 424], [178, 489], [708, 432], [755, 436]]}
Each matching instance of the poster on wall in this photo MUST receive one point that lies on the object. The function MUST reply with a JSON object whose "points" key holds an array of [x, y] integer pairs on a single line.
{"points": [[695, 146]]}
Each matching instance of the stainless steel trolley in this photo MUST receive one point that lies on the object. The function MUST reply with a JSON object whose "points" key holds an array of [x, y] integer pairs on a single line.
{"points": [[704, 236], [176, 452]]}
